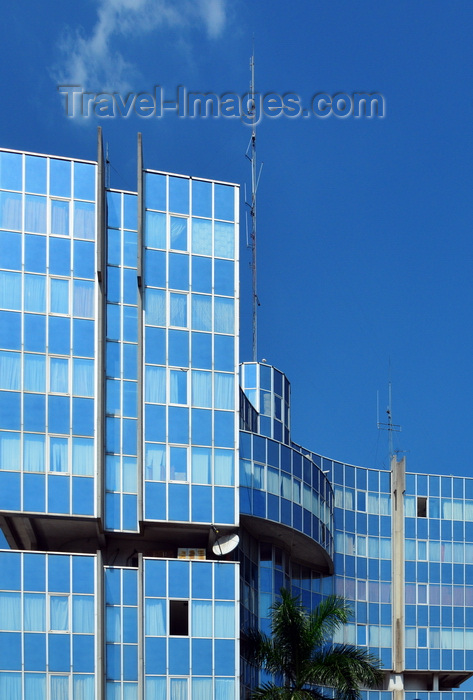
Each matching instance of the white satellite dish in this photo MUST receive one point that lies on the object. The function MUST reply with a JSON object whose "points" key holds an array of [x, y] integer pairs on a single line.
{"points": [[225, 544]]}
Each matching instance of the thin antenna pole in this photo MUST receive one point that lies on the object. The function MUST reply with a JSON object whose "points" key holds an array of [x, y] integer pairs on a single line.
{"points": [[389, 426], [254, 185]]}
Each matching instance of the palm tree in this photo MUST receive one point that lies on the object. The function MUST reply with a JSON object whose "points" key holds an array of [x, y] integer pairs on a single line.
{"points": [[301, 654]]}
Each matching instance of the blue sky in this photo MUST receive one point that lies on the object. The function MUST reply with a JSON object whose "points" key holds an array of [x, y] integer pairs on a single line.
{"points": [[364, 225]]}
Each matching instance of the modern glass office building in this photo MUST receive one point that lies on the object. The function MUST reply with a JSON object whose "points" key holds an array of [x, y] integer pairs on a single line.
{"points": [[132, 442]]}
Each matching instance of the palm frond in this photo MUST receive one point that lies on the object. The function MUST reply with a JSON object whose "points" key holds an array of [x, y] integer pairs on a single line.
{"points": [[299, 652], [346, 669]]}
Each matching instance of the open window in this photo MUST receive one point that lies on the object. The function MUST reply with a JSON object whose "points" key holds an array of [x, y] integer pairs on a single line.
{"points": [[421, 507], [179, 618]]}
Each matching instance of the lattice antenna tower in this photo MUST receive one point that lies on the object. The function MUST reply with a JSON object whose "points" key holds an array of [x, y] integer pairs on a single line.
{"points": [[251, 155], [389, 425]]}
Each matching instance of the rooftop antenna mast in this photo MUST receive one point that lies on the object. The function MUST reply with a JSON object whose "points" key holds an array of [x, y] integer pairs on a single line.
{"points": [[389, 426], [251, 155]]}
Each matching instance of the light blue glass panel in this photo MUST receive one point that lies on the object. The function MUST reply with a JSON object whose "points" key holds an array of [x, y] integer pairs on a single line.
{"points": [[59, 256], [201, 237], [201, 274], [201, 465], [224, 393], [155, 462], [84, 181], [155, 578], [178, 426], [10, 250], [60, 217], [201, 618], [201, 198], [58, 414], [10, 211], [155, 191], [33, 452], [83, 337], [178, 386], [224, 278], [10, 611], [83, 614], [113, 400], [224, 429], [58, 375], [155, 268], [34, 572], [130, 504], [83, 377], [114, 207], [60, 178], [201, 426], [155, 423], [179, 687], [178, 233], [59, 335], [83, 416], [178, 463], [202, 389], [224, 584], [113, 322], [201, 312], [178, 348], [84, 261], [59, 613], [224, 467], [178, 310], [155, 230], [130, 407], [34, 610], [224, 357], [35, 213], [224, 315], [35, 685], [10, 290], [10, 410], [155, 617], [10, 571], [155, 688], [114, 239], [130, 287], [155, 346], [83, 459], [35, 293], [10, 330], [178, 271], [11, 171], [155, 307], [35, 174], [10, 370], [84, 220], [35, 253], [224, 619], [155, 384], [224, 688], [178, 195], [178, 579], [178, 659], [59, 687], [113, 359], [130, 214], [83, 298], [202, 350], [224, 204], [130, 324], [83, 686], [224, 240]]}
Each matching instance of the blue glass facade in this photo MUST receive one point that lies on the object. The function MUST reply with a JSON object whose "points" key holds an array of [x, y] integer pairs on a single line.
{"points": [[127, 447]]}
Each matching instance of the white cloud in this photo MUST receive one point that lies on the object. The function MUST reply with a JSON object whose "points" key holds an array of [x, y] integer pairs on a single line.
{"points": [[93, 60]]}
